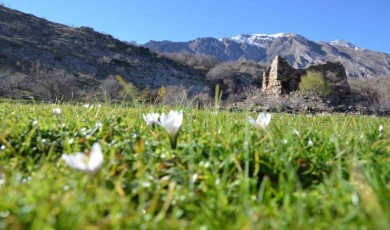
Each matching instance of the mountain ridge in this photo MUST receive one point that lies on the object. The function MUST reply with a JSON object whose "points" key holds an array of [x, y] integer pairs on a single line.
{"points": [[299, 51]]}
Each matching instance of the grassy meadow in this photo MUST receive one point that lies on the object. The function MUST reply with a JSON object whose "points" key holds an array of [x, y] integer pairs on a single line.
{"points": [[302, 172]]}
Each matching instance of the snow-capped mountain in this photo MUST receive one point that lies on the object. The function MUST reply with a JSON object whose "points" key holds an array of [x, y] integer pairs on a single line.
{"points": [[340, 42], [258, 39], [299, 51]]}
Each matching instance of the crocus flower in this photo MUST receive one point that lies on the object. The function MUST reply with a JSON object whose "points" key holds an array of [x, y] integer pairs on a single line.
{"points": [[90, 162], [261, 122], [310, 143], [57, 111], [381, 128], [151, 118], [171, 122]]}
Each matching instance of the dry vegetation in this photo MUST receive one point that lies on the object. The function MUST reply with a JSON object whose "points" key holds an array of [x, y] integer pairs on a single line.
{"points": [[372, 92], [200, 62]]}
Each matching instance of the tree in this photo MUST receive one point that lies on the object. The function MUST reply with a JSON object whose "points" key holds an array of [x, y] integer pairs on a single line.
{"points": [[235, 77], [314, 84], [53, 85], [111, 88]]}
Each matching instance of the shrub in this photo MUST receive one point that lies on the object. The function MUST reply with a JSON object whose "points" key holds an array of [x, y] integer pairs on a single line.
{"points": [[372, 92], [166, 95], [235, 77], [314, 84], [111, 88], [53, 84]]}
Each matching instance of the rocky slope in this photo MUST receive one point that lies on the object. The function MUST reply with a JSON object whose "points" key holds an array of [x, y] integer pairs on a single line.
{"points": [[297, 50], [30, 45]]}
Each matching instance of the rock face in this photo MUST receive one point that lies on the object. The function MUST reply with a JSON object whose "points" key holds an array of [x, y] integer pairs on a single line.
{"points": [[280, 78]]}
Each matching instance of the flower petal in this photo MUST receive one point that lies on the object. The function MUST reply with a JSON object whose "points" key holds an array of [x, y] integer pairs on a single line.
{"points": [[171, 122], [96, 157], [76, 161], [150, 118], [252, 121], [267, 119]]}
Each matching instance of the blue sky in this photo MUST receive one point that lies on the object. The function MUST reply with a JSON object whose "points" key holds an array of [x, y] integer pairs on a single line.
{"points": [[362, 22]]}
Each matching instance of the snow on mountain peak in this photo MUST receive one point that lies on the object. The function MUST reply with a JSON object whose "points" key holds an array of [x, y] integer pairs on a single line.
{"points": [[344, 43], [270, 36], [258, 39]]}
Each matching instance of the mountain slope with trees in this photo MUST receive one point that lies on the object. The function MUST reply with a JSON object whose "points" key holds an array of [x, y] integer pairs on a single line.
{"points": [[47, 61]]}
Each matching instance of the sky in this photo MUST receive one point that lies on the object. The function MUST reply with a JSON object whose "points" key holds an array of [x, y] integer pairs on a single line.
{"points": [[365, 23]]}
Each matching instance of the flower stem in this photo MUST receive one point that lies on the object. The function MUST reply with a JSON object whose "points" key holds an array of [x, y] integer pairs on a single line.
{"points": [[173, 140]]}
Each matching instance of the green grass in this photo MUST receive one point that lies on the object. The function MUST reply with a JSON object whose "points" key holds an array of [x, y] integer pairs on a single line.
{"points": [[223, 174]]}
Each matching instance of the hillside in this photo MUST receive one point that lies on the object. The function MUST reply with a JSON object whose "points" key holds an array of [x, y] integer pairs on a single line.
{"points": [[34, 49], [296, 49]]}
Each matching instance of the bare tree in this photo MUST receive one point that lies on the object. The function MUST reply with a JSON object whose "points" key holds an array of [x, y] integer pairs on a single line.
{"points": [[6, 85], [230, 79], [53, 84], [14, 84], [111, 88]]}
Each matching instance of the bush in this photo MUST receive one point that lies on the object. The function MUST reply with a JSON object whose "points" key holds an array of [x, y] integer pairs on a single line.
{"points": [[166, 95], [372, 92], [54, 85], [111, 88], [314, 84], [234, 78]]}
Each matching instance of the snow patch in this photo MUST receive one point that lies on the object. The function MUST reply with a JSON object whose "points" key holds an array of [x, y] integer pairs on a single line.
{"points": [[344, 43], [258, 39]]}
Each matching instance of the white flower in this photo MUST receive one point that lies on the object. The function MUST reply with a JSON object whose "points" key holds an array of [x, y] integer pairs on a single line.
{"points": [[381, 128], [57, 111], [86, 162], [310, 143], [171, 122], [261, 122], [151, 118], [86, 106]]}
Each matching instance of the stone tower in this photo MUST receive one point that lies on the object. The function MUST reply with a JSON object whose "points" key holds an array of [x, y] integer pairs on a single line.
{"points": [[280, 78]]}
